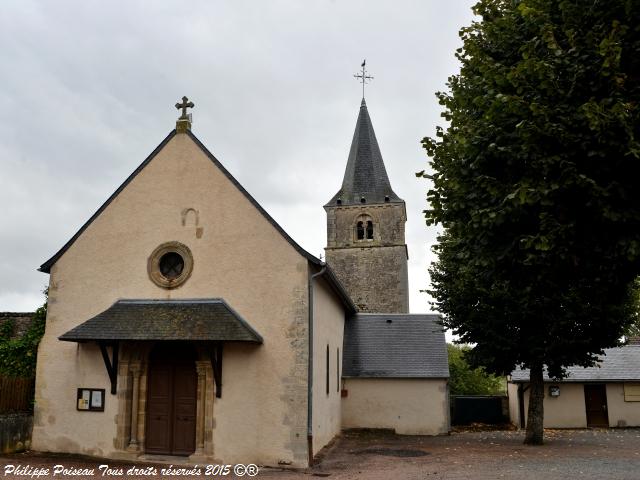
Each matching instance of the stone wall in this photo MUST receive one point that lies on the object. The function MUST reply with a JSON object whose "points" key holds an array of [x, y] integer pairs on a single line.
{"points": [[373, 271], [21, 320], [376, 278], [15, 432], [388, 221]]}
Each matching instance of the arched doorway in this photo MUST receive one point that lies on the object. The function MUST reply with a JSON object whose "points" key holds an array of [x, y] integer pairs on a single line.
{"points": [[171, 400]]}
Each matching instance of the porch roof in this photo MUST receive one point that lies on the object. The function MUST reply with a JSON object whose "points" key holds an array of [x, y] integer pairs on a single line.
{"points": [[194, 320]]}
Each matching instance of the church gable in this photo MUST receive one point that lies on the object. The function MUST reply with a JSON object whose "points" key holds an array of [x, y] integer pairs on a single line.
{"points": [[46, 266], [181, 201]]}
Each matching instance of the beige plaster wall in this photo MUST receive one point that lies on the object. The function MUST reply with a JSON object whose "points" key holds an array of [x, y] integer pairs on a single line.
{"points": [[569, 410], [328, 329], [409, 406], [514, 408], [566, 411], [238, 255], [621, 413]]}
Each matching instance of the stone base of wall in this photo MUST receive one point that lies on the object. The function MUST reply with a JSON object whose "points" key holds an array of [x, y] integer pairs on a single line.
{"points": [[15, 432]]}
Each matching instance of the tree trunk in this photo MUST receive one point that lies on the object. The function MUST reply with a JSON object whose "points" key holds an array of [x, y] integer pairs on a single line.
{"points": [[535, 415]]}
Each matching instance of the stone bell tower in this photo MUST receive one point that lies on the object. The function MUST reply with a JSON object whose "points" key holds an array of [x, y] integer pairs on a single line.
{"points": [[365, 229]]}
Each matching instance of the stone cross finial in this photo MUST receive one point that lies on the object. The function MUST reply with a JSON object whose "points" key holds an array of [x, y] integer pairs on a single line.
{"points": [[184, 121], [184, 105]]}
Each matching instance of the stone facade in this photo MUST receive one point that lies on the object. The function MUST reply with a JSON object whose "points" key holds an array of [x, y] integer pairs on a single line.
{"points": [[373, 270], [261, 416]]}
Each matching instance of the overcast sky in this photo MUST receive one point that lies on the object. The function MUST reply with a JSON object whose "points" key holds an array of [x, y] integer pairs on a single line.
{"points": [[87, 91]]}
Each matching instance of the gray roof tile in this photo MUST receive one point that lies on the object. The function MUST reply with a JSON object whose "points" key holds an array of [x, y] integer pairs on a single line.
{"points": [[395, 345], [617, 364], [206, 319]]}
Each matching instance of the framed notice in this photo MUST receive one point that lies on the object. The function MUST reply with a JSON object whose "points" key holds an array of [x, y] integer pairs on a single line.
{"points": [[90, 399]]}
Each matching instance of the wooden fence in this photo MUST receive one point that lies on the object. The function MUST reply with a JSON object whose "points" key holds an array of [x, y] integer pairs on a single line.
{"points": [[16, 394]]}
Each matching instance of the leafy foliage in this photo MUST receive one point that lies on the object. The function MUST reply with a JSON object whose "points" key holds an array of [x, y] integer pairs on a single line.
{"points": [[465, 380], [633, 330], [535, 183], [18, 355]]}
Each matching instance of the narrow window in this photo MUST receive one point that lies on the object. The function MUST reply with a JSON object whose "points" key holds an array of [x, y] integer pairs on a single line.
{"points": [[327, 369], [369, 230], [360, 231], [338, 370]]}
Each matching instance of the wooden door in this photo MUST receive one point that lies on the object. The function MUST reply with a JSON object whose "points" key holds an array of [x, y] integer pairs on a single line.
{"points": [[171, 401], [595, 399]]}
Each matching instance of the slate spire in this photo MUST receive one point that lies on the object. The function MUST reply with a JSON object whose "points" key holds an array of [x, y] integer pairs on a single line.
{"points": [[365, 176]]}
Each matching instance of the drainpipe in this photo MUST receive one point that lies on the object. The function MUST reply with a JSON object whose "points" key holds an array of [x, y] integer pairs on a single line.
{"points": [[310, 371]]}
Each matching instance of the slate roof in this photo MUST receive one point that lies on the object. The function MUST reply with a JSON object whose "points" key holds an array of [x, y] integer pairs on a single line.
{"points": [[365, 175], [206, 319], [616, 365], [333, 281], [394, 346]]}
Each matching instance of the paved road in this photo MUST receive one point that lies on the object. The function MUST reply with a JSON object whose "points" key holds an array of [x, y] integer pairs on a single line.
{"points": [[567, 454]]}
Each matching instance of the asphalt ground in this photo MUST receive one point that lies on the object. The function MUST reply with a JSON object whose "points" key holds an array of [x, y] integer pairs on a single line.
{"points": [[593, 454]]}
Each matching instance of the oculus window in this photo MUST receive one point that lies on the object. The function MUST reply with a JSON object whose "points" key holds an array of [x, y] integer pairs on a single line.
{"points": [[170, 265]]}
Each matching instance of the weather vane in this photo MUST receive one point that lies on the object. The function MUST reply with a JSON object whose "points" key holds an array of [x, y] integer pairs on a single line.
{"points": [[363, 76]]}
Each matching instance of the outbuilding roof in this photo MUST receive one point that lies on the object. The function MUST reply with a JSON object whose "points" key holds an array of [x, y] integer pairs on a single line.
{"points": [[616, 365], [193, 320], [395, 346]]}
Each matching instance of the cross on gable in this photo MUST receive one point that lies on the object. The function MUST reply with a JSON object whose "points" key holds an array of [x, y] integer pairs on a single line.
{"points": [[184, 105]]}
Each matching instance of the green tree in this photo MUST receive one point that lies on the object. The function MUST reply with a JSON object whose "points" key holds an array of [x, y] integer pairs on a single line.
{"points": [[466, 380], [633, 329], [535, 186], [18, 355]]}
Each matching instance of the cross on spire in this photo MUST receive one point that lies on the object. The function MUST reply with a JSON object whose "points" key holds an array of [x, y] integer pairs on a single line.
{"points": [[184, 105], [363, 76]]}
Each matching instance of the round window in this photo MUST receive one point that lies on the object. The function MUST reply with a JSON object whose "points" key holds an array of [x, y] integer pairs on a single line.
{"points": [[170, 265]]}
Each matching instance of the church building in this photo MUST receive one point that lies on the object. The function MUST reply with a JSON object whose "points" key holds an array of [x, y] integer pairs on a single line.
{"points": [[184, 321]]}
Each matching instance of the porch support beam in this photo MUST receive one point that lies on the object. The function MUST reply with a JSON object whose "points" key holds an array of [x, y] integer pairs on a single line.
{"points": [[111, 364], [216, 365]]}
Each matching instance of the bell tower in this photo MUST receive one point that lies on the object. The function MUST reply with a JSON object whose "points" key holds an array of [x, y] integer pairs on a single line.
{"points": [[365, 229]]}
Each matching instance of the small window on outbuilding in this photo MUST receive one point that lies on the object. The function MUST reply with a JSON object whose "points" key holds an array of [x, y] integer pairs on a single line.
{"points": [[632, 392], [369, 230], [360, 231]]}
